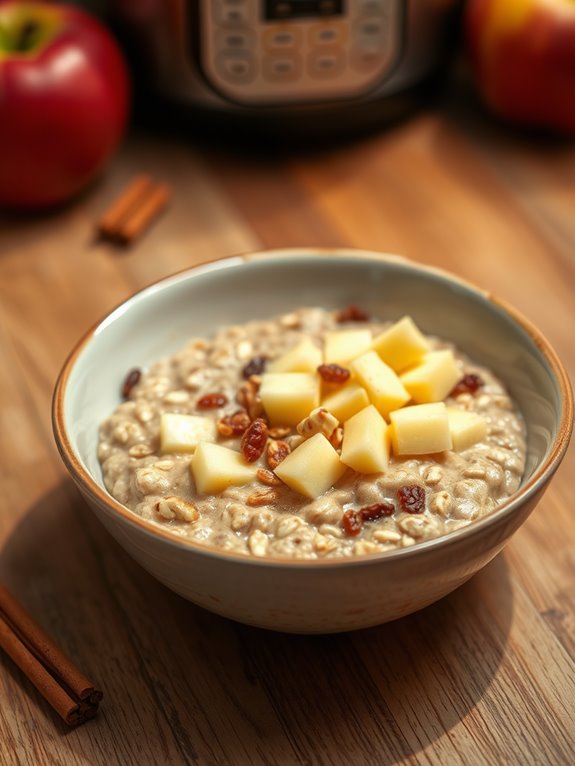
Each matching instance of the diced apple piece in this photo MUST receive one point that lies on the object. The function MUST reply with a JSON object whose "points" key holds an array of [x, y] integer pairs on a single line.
{"points": [[467, 428], [288, 397], [401, 345], [305, 357], [345, 402], [383, 387], [341, 346], [215, 468], [365, 446], [421, 429], [312, 468], [433, 378], [183, 433]]}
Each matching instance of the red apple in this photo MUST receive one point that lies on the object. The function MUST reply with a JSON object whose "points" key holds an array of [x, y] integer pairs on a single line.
{"points": [[64, 100], [522, 54]]}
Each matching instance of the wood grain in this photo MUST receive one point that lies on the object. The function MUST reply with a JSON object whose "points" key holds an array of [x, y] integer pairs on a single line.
{"points": [[485, 676]]}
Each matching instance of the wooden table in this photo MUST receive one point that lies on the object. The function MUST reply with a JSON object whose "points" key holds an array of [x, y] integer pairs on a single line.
{"points": [[486, 676]]}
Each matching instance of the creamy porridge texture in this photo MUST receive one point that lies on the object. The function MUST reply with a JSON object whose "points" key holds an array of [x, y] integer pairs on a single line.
{"points": [[313, 434]]}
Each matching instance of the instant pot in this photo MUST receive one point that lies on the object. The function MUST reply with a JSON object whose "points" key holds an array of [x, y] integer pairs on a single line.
{"points": [[291, 64]]}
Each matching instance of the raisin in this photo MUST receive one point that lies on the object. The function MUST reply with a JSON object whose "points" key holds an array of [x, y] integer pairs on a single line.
{"points": [[254, 367], [352, 314], [211, 401], [234, 425], [411, 498], [352, 523], [276, 452], [254, 440], [377, 511], [333, 373], [469, 384], [131, 380]]}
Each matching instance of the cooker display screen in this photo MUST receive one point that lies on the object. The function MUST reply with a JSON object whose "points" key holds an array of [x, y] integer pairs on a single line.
{"points": [[291, 9]]}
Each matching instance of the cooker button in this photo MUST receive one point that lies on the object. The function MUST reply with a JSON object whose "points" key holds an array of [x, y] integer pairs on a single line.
{"points": [[231, 12], [366, 61], [373, 7], [371, 34], [235, 39], [281, 68], [236, 66], [325, 63], [281, 39], [322, 34]]}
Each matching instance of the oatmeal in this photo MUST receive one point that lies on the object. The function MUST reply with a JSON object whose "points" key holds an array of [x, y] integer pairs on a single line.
{"points": [[311, 435]]}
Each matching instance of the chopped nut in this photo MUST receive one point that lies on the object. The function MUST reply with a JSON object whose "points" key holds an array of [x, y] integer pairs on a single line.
{"points": [[171, 508], [432, 475], [268, 477], [278, 432], [319, 421], [261, 497], [336, 439], [240, 517]]}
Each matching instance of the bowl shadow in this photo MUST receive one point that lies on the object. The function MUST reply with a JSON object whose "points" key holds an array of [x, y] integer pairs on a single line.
{"points": [[185, 685]]}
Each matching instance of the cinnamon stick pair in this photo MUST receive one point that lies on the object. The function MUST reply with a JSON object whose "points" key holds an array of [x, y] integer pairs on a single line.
{"points": [[57, 679], [134, 210]]}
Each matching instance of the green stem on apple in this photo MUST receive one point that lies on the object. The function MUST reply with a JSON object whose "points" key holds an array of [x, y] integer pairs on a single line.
{"points": [[28, 36]]}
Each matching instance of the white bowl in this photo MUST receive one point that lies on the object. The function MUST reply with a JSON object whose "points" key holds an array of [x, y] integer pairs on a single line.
{"points": [[326, 595]]}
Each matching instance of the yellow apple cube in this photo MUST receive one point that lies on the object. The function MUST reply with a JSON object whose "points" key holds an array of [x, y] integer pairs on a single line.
{"points": [[345, 402], [421, 429], [467, 428], [215, 468], [365, 446], [183, 433], [383, 386], [433, 378], [312, 468], [305, 357], [401, 345], [288, 397], [341, 346]]}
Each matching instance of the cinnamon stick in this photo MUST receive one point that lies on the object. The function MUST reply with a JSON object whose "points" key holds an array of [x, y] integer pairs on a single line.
{"points": [[55, 676], [134, 210], [110, 222], [140, 217]]}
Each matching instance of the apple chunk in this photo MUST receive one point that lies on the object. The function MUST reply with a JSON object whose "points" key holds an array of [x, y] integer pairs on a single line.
{"points": [[383, 387], [288, 397], [183, 433], [304, 357], [365, 446], [340, 346], [215, 468], [312, 468], [345, 402], [467, 428], [421, 429], [401, 345], [433, 378]]}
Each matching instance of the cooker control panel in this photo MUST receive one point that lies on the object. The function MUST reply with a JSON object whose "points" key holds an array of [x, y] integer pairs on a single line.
{"points": [[286, 51]]}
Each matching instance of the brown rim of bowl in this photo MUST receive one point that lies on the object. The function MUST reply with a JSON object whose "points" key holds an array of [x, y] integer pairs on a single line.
{"points": [[540, 477]]}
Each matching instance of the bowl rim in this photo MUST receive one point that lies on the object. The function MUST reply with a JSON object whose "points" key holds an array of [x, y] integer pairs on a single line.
{"points": [[92, 489]]}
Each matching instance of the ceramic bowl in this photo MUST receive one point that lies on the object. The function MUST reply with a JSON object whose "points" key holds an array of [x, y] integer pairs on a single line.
{"points": [[325, 595]]}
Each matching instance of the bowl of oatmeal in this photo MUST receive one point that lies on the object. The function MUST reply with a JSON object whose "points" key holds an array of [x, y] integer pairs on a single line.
{"points": [[312, 441]]}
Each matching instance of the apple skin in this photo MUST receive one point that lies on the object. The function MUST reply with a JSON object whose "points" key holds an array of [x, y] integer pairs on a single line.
{"points": [[63, 109], [522, 54]]}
